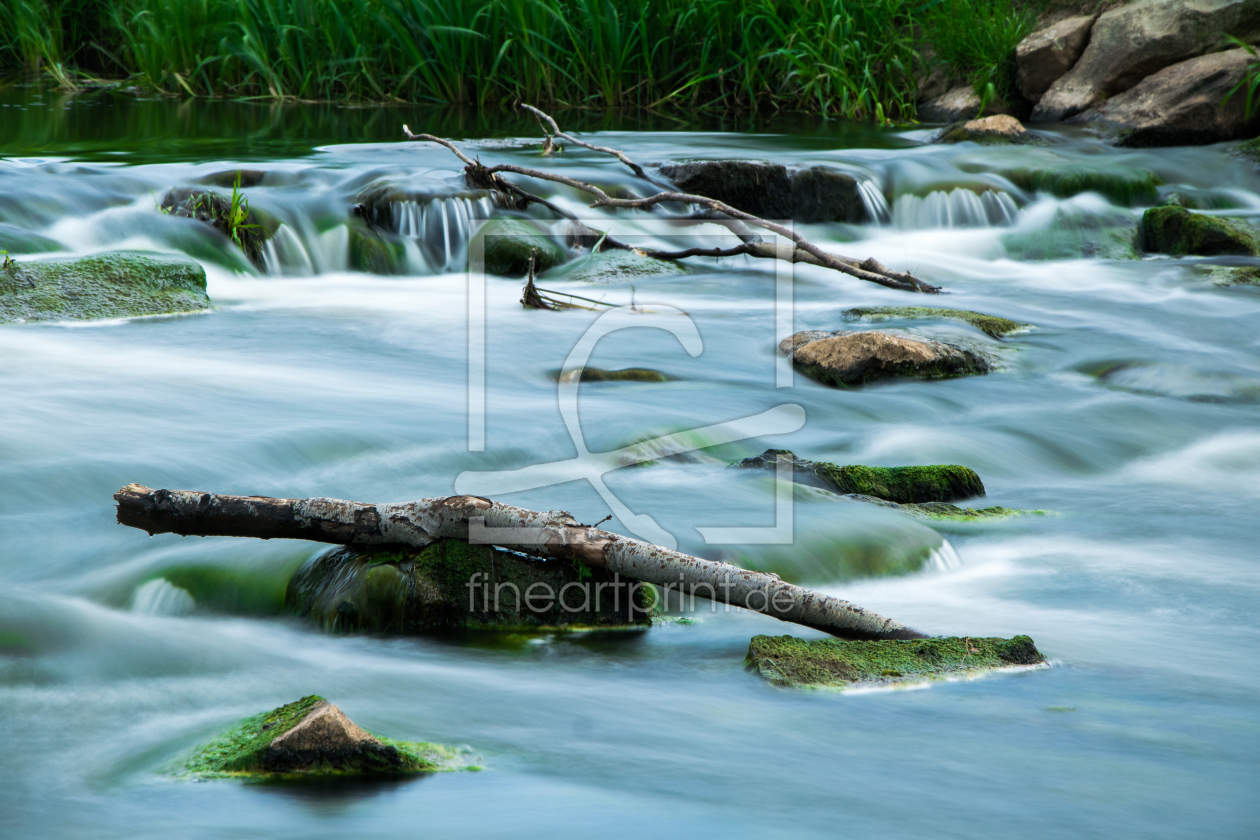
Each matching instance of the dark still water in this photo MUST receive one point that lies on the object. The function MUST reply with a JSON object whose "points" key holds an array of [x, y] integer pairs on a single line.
{"points": [[1130, 412]]}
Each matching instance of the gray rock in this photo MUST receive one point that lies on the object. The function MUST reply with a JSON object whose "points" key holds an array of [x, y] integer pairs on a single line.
{"points": [[856, 358], [1180, 105], [111, 285], [772, 191], [960, 103], [1130, 43], [1044, 56]]}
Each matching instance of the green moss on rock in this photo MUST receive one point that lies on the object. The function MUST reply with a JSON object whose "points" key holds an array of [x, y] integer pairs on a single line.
{"points": [[989, 324], [509, 244], [903, 485], [376, 253], [944, 512], [617, 266], [254, 749], [111, 285], [789, 661], [1177, 231], [1121, 184], [589, 374], [427, 590], [1232, 275]]}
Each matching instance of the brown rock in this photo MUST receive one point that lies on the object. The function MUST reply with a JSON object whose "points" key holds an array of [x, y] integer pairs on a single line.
{"points": [[960, 103], [1180, 105], [326, 735], [1130, 43], [997, 129], [861, 357], [1044, 56]]}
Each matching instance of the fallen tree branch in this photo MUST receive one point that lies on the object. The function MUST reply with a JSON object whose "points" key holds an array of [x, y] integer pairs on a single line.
{"points": [[549, 535], [480, 176]]}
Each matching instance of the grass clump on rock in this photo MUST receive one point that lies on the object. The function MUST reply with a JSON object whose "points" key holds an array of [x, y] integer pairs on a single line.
{"points": [[988, 324], [1177, 231], [111, 285], [833, 663], [903, 485], [311, 738]]}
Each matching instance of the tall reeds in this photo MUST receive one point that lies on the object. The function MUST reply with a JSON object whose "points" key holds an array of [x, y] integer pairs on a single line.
{"points": [[849, 58]]}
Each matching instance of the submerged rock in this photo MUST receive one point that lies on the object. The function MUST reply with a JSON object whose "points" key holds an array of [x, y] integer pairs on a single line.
{"points": [[1044, 56], [1177, 381], [111, 285], [988, 324], [453, 585], [616, 265], [376, 252], [232, 218], [1130, 43], [997, 130], [772, 191], [944, 512], [590, 374], [1074, 233], [1232, 275], [509, 244], [1124, 185], [833, 663], [856, 358], [229, 178], [14, 241], [310, 738], [1181, 105], [1177, 231], [940, 483]]}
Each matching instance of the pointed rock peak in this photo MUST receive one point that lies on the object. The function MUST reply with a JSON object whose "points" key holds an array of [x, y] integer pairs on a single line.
{"points": [[325, 729]]}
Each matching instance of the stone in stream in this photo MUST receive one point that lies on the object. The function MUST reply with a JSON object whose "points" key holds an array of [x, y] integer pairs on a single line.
{"points": [[509, 244], [833, 663], [1138, 39], [245, 227], [856, 358], [903, 485], [312, 738], [14, 241], [117, 284], [1045, 55], [944, 512], [997, 130], [772, 191], [1184, 104], [616, 265], [988, 324], [1045, 171], [1231, 275], [374, 251], [453, 586], [228, 178], [958, 104], [590, 374], [1177, 231]]}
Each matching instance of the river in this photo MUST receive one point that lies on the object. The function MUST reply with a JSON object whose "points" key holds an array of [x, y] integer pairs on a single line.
{"points": [[1128, 413]]}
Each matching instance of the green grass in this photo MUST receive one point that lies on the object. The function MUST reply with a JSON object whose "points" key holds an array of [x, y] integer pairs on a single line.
{"points": [[846, 58]]}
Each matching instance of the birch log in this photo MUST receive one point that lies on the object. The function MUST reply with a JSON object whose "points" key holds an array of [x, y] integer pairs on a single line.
{"points": [[552, 534]]}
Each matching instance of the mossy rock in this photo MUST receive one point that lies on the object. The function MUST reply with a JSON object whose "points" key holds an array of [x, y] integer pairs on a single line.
{"points": [[374, 252], [509, 244], [944, 512], [249, 233], [903, 485], [416, 591], [112, 285], [311, 738], [1177, 231], [1248, 150], [1124, 185], [14, 241], [1231, 275], [833, 663], [988, 324], [616, 265], [590, 374], [1073, 241]]}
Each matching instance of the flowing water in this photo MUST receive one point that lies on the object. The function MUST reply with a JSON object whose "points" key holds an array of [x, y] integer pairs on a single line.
{"points": [[1128, 413]]}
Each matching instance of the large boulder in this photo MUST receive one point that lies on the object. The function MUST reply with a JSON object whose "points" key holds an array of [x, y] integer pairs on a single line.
{"points": [[772, 191], [856, 358], [453, 585], [833, 663], [1180, 105], [311, 738], [956, 105], [111, 285], [1130, 43], [1044, 56], [1177, 231], [903, 485]]}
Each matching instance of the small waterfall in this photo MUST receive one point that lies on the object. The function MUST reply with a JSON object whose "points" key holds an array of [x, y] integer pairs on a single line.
{"points": [[874, 201], [944, 559], [284, 253], [958, 208], [442, 226], [159, 597]]}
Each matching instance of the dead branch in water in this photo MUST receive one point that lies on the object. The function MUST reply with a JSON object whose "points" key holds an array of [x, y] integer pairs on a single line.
{"points": [[802, 250], [553, 535]]}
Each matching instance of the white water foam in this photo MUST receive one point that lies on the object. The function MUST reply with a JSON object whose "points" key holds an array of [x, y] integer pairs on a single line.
{"points": [[944, 558], [956, 208], [160, 597]]}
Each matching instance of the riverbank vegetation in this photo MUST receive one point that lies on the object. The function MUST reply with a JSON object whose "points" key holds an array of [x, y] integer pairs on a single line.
{"points": [[860, 59]]}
